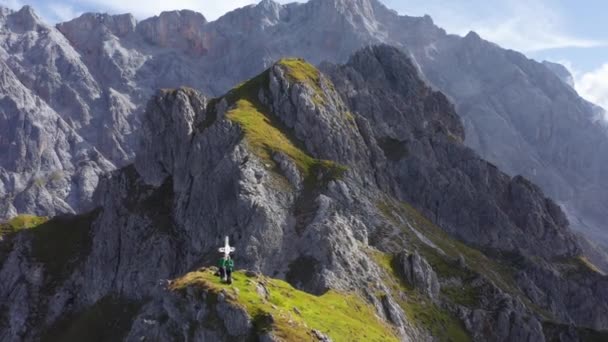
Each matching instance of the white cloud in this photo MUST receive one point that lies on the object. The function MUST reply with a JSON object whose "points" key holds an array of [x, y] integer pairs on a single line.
{"points": [[593, 86], [12, 4], [523, 34]]}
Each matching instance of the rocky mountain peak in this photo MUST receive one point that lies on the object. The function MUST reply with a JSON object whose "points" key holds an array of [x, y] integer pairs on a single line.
{"points": [[383, 65], [26, 19], [307, 102], [359, 11], [167, 128], [268, 5], [175, 29], [271, 11], [118, 25], [253, 18], [347, 5], [179, 18], [28, 12], [472, 37]]}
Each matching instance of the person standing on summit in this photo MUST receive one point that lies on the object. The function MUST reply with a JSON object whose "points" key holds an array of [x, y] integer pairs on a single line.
{"points": [[226, 264], [222, 267], [228, 268]]}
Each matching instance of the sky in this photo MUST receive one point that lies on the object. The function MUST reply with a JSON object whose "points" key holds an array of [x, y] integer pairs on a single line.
{"points": [[571, 32]]}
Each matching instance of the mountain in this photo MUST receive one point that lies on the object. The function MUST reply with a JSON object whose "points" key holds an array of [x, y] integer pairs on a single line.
{"points": [[97, 72], [524, 119], [46, 166], [333, 190], [49, 162], [319, 180]]}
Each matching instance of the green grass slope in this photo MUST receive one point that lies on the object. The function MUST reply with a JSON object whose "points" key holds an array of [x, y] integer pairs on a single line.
{"points": [[342, 316], [266, 135]]}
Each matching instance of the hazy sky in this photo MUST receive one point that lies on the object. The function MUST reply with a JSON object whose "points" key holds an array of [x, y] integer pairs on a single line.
{"points": [[564, 31]]}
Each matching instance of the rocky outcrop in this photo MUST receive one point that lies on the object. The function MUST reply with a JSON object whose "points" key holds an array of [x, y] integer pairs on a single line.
{"points": [[562, 286], [435, 171], [47, 168], [420, 274], [178, 30], [502, 318]]}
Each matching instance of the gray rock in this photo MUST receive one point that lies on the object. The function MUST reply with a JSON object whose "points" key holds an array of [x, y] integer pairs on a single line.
{"points": [[269, 337], [500, 317], [235, 319], [393, 313], [320, 336], [380, 83], [49, 168], [289, 169], [420, 274], [262, 291]]}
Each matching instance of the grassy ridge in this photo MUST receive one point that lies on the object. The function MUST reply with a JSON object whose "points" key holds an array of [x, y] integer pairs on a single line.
{"points": [[266, 135], [343, 317], [299, 71]]}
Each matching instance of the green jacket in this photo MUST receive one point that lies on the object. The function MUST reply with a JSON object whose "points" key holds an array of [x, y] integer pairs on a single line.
{"points": [[229, 264]]}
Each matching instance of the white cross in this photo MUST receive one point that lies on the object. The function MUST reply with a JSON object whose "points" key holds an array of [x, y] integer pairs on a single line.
{"points": [[227, 249]]}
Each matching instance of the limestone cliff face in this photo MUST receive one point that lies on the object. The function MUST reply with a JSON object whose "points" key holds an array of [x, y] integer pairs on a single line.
{"points": [[310, 176], [98, 71], [421, 136], [49, 163], [47, 168]]}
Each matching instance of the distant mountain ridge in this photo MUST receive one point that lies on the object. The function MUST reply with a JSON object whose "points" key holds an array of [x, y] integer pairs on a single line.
{"points": [[99, 70]]}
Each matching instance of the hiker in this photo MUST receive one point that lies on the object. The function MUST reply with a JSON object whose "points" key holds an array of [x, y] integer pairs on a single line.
{"points": [[222, 267], [228, 268], [226, 265]]}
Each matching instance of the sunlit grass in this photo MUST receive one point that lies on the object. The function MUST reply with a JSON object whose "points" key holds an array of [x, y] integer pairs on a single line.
{"points": [[341, 316]]}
